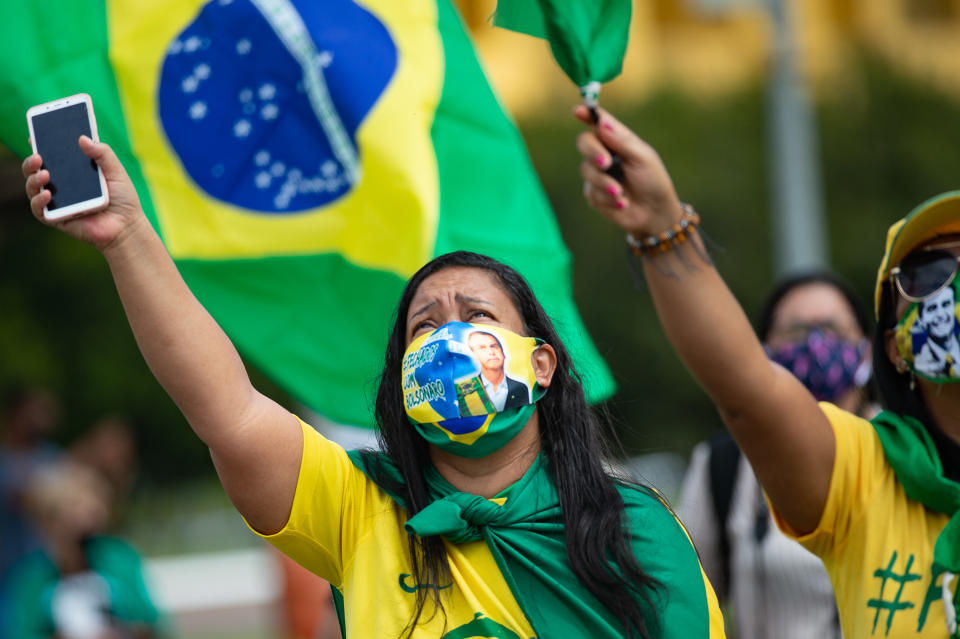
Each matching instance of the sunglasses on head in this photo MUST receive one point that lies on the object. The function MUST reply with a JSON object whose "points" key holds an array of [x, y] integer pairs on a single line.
{"points": [[926, 272]]}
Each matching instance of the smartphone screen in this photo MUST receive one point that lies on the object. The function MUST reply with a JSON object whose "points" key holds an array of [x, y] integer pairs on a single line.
{"points": [[73, 176]]}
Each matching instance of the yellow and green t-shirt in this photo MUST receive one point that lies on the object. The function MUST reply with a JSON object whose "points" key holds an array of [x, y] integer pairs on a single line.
{"points": [[344, 528], [876, 543]]}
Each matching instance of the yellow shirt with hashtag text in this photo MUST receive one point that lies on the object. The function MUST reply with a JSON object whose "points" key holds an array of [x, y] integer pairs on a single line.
{"points": [[876, 543]]}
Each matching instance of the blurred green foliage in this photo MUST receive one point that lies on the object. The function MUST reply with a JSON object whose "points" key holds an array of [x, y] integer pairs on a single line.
{"points": [[887, 143]]}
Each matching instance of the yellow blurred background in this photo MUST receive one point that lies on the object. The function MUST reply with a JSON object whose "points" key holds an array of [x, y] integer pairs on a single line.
{"points": [[708, 48]]}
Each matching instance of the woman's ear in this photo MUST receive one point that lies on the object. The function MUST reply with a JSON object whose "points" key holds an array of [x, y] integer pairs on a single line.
{"points": [[544, 360]]}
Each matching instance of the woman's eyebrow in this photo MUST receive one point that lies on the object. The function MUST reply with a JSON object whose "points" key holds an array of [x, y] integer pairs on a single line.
{"points": [[423, 309], [461, 298]]}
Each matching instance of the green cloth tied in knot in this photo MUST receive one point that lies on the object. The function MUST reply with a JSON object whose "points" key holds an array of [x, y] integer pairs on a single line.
{"points": [[462, 517], [459, 517], [910, 450], [526, 538]]}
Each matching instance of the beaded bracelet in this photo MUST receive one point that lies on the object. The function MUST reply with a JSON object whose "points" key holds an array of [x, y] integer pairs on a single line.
{"points": [[668, 239]]}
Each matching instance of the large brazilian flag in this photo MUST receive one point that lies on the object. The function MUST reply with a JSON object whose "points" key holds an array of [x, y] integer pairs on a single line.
{"points": [[301, 160]]}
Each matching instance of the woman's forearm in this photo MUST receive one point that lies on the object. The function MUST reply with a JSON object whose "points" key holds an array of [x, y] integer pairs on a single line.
{"points": [[184, 347], [707, 327], [775, 421], [772, 416], [255, 443]]}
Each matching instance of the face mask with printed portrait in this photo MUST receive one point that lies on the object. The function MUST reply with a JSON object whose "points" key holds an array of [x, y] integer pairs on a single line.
{"points": [[927, 335], [470, 388]]}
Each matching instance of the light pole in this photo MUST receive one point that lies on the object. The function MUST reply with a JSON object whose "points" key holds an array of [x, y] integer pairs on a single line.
{"points": [[799, 231]]}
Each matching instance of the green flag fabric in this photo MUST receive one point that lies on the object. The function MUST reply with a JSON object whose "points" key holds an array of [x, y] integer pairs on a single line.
{"points": [[300, 161], [588, 37]]}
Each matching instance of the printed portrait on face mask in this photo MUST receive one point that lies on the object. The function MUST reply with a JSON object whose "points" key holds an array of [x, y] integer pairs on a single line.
{"points": [[927, 336], [470, 388], [502, 390]]}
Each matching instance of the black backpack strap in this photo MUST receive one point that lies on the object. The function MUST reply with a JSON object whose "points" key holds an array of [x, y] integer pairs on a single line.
{"points": [[723, 463]]}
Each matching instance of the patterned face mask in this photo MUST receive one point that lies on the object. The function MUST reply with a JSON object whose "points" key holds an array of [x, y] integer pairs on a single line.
{"points": [[470, 388], [827, 365], [927, 336]]}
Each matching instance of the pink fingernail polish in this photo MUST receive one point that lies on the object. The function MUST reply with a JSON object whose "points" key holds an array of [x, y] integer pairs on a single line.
{"points": [[621, 204], [601, 161], [613, 190], [607, 125]]}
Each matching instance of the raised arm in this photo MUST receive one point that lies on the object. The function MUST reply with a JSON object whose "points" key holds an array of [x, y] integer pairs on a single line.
{"points": [[774, 419], [254, 442]]}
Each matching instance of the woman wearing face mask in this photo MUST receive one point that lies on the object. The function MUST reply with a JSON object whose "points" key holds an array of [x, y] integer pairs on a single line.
{"points": [[877, 500], [814, 326], [473, 521]]}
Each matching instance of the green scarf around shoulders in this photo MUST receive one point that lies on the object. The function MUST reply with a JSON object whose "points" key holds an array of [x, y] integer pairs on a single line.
{"points": [[910, 450], [526, 538]]}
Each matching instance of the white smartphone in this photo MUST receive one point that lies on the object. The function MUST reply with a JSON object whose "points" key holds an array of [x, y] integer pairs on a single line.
{"points": [[76, 182]]}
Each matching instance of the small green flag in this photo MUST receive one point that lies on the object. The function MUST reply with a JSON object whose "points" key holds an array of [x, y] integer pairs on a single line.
{"points": [[588, 37], [300, 161]]}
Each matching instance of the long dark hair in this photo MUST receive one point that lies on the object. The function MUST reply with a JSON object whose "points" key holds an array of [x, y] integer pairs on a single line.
{"points": [[894, 387], [597, 540], [765, 318]]}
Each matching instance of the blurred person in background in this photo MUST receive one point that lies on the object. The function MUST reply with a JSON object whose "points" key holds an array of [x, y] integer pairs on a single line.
{"points": [[814, 326], [82, 583], [878, 501], [29, 419], [109, 446]]}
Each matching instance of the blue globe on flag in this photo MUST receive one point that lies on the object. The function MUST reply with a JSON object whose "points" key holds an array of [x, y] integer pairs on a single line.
{"points": [[261, 99]]}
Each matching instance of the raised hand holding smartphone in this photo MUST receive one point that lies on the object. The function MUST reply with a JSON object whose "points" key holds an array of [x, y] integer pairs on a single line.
{"points": [[77, 184]]}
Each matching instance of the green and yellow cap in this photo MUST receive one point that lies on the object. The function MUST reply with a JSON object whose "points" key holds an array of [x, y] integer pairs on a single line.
{"points": [[940, 215]]}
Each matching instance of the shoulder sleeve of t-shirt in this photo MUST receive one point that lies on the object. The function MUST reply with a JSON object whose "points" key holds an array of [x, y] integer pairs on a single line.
{"points": [[858, 468], [695, 509], [333, 508]]}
